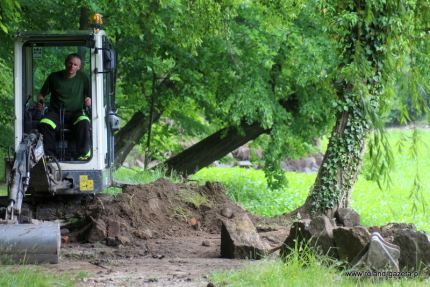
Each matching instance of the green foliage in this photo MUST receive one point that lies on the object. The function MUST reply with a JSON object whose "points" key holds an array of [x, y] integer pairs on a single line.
{"points": [[9, 15], [6, 102], [211, 64], [238, 66]]}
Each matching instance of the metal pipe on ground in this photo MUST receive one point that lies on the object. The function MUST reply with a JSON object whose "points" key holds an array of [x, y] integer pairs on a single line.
{"points": [[30, 243]]}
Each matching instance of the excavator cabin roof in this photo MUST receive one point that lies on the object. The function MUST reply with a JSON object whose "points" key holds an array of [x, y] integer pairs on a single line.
{"points": [[72, 38]]}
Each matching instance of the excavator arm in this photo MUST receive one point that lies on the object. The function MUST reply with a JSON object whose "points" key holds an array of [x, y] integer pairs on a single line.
{"points": [[29, 153], [26, 243]]}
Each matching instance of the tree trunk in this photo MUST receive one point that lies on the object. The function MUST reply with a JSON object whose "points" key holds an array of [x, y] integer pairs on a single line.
{"points": [[340, 167], [213, 148], [222, 142], [128, 136], [84, 18], [344, 155]]}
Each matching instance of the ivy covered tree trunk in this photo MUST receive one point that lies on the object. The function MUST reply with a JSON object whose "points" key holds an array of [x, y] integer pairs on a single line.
{"points": [[341, 164], [360, 86]]}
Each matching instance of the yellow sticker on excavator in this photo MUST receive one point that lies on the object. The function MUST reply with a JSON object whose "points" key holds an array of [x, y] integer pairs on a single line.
{"points": [[85, 184]]}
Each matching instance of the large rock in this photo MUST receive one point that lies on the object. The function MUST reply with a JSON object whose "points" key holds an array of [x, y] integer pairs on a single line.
{"points": [[350, 241], [299, 235], [240, 240], [241, 153], [308, 164], [390, 230], [347, 217], [97, 231], [414, 245], [317, 234], [379, 255]]}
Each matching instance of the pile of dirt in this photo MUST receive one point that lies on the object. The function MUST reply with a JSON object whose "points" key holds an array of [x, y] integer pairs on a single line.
{"points": [[160, 209]]}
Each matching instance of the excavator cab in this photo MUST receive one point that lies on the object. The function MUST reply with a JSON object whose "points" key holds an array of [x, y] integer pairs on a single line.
{"points": [[36, 56], [32, 173]]}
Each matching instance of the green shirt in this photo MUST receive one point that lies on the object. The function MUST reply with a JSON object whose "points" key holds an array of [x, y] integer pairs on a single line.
{"points": [[66, 92]]}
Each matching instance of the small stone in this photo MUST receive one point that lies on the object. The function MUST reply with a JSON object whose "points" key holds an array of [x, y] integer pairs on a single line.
{"points": [[210, 284], [124, 240], [227, 212], [113, 242], [194, 223], [158, 256], [143, 234], [65, 239], [113, 228], [206, 243]]}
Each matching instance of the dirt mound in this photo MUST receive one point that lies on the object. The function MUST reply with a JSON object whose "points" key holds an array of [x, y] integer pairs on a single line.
{"points": [[157, 210]]}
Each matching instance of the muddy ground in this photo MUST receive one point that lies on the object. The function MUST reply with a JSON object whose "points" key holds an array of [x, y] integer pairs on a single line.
{"points": [[159, 234]]}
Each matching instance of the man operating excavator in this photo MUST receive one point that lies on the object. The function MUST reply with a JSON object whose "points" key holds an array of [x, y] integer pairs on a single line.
{"points": [[69, 90]]}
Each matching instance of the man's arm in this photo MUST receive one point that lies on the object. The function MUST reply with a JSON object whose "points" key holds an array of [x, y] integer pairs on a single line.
{"points": [[87, 94], [43, 92]]}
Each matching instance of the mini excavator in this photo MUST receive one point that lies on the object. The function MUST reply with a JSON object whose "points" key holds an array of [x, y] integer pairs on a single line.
{"points": [[29, 173]]}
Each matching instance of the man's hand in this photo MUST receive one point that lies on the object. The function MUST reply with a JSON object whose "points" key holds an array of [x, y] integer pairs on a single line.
{"points": [[40, 103], [87, 101]]}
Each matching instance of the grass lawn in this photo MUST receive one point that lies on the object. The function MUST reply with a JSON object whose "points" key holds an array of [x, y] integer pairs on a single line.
{"points": [[17, 276], [298, 272]]}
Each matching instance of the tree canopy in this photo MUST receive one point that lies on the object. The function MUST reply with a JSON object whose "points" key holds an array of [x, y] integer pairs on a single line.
{"points": [[289, 67]]}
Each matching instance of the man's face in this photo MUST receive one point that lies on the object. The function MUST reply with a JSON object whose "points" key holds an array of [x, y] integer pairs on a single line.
{"points": [[72, 66]]}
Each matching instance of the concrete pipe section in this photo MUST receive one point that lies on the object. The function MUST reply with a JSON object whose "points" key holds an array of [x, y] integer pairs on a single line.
{"points": [[30, 243]]}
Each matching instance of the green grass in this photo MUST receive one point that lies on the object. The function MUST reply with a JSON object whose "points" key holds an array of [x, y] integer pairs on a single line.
{"points": [[376, 207], [17, 276], [399, 202], [248, 187], [295, 273], [305, 268], [137, 175]]}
